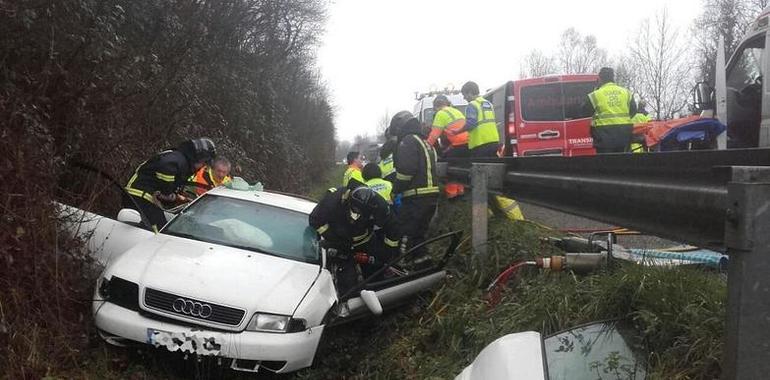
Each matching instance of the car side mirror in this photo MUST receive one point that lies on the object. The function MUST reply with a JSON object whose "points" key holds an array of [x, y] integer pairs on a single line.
{"points": [[130, 216], [372, 302], [701, 96]]}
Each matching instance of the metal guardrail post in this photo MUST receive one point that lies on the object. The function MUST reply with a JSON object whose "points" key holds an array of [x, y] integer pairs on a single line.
{"points": [[747, 237], [484, 177]]}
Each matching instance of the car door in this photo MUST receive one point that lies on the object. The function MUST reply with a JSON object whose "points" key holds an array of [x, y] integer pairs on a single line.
{"points": [[394, 291]]}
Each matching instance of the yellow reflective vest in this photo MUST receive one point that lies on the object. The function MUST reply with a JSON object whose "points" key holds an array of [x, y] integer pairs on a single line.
{"points": [[352, 173], [386, 166], [612, 105], [640, 118], [382, 187], [486, 127]]}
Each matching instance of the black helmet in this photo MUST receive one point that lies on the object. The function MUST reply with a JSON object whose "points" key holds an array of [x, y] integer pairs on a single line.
{"points": [[204, 149], [361, 202], [401, 120]]}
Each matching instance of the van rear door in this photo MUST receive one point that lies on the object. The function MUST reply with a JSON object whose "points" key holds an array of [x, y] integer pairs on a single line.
{"points": [[550, 119]]}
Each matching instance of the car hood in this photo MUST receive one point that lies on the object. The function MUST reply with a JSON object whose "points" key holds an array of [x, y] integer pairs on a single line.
{"points": [[218, 274]]}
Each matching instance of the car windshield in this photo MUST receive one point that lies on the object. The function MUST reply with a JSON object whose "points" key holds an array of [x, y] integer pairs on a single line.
{"points": [[247, 225]]}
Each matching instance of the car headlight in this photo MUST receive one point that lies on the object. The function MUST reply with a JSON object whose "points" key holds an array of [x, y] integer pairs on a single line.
{"points": [[275, 323], [268, 322]]}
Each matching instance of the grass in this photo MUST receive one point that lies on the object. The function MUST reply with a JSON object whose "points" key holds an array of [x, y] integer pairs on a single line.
{"points": [[680, 312]]}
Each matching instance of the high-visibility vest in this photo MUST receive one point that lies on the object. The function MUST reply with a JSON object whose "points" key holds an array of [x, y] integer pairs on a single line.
{"points": [[382, 187], [611, 105], [449, 119], [486, 127], [640, 118], [353, 172], [205, 177], [386, 166]]}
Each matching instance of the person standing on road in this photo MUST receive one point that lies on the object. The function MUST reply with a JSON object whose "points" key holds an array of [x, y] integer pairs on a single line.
{"points": [[612, 107], [483, 138], [353, 173], [156, 181], [416, 181], [446, 119]]}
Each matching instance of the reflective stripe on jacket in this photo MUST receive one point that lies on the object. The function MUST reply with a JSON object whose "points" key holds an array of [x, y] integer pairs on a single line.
{"points": [[612, 105], [415, 163], [486, 127], [167, 172]]}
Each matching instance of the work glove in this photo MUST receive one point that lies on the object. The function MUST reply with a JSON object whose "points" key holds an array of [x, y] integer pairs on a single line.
{"points": [[403, 246], [363, 259]]}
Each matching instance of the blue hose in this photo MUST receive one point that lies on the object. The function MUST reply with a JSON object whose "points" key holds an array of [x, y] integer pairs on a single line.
{"points": [[705, 257]]}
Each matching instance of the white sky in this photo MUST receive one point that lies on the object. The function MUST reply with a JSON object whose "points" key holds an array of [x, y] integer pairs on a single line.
{"points": [[376, 54]]}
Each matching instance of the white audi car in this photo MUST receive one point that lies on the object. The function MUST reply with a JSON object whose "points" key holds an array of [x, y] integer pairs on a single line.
{"points": [[237, 274]]}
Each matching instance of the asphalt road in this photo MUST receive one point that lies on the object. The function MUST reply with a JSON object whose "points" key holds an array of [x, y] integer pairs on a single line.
{"points": [[561, 220]]}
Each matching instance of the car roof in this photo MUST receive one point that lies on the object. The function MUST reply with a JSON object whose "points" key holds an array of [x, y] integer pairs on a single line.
{"points": [[294, 203]]}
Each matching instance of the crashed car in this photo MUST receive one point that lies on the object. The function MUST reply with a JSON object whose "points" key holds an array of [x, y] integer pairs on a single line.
{"points": [[237, 274], [595, 351]]}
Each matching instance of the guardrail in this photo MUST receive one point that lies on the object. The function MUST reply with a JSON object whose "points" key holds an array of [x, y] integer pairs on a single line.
{"points": [[714, 199]]}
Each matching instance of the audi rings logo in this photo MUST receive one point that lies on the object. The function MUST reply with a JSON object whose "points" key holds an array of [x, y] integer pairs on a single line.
{"points": [[192, 308]]}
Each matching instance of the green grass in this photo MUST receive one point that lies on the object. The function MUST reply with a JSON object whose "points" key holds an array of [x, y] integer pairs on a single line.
{"points": [[679, 311]]}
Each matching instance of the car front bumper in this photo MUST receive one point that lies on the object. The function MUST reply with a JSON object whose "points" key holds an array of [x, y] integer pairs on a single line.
{"points": [[296, 349]]}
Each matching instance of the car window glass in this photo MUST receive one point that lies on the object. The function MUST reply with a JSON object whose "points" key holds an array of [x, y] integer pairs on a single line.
{"points": [[555, 101], [594, 352], [247, 225]]}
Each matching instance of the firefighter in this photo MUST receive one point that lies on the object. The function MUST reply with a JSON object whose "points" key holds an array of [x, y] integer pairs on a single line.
{"points": [[155, 182], [345, 220], [612, 107], [483, 138], [416, 181], [210, 176], [449, 118], [373, 178], [353, 173]]}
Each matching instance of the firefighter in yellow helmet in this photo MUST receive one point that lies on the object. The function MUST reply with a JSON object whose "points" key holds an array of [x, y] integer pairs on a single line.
{"points": [[612, 107]]}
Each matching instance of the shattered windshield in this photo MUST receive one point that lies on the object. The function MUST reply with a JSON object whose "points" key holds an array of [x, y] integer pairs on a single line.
{"points": [[247, 225]]}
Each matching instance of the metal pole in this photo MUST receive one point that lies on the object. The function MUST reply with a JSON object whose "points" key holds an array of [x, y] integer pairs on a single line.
{"points": [[747, 237], [484, 177], [479, 209]]}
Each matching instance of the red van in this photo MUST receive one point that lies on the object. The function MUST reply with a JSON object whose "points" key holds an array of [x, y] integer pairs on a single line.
{"points": [[545, 116]]}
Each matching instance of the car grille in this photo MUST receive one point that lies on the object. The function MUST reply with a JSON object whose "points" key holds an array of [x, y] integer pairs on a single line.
{"points": [[159, 300]]}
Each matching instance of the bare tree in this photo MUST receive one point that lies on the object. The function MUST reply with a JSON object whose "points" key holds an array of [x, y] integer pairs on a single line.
{"points": [[661, 62], [382, 124], [579, 54], [726, 18], [537, 64]]}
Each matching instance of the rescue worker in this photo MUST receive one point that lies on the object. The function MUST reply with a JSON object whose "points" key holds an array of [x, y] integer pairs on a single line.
{"points": [[612, 107], [210, 176], [483, 138], [448, 118], [386, 159], [416, 181], [353, 173], [156, 181], [373, 178], [641, 115], [345, 220]]}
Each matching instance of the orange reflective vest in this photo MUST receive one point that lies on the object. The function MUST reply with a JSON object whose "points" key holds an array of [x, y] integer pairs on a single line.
{"points": [[204, 177]]}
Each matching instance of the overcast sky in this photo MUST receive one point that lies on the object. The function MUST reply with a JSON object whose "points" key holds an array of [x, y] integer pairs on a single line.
{"points": [[376, 54]]}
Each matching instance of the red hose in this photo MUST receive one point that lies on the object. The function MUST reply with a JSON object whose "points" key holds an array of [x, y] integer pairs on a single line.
{"points": [[495, 289]]}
